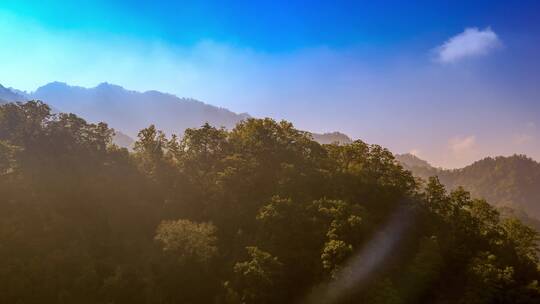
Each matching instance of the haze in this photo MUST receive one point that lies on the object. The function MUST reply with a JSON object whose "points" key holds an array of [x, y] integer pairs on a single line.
{"points": [[450, 83]]}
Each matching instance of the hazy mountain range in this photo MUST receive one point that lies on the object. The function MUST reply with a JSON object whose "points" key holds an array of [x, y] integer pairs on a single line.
{"points": [[512, 181], [130, 111], [330, 138], [127, 111], [7, 94]]}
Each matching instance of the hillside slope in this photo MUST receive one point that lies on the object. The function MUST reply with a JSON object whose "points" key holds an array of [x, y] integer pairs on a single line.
{"points": [[512, 181]]}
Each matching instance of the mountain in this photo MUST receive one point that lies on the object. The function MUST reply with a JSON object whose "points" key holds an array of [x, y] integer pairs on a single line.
{"points": [[131, 111], [522, 216], [10, 95], [412, 161], [122, 140], [329, 138], [512, 181]]}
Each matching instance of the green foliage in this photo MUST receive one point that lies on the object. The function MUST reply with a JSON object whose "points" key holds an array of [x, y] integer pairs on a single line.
{"points": [[335, 252], [258, 278], [84, 221], [187, 241], [522, 239], [489, 279]]}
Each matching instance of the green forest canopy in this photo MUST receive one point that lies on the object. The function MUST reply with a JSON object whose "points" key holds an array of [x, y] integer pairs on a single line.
{"points": [[258, 214], [510, 183]]}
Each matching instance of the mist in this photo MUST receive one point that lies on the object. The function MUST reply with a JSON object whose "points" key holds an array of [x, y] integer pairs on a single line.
{"points": [[405, 101]]}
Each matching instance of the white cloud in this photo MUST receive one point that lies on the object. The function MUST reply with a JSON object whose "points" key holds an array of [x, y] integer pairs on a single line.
{"points": [[460, 151], [462, 145], [470, 43]]}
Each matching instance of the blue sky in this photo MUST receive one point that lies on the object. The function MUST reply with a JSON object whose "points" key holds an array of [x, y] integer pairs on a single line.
{"points": [[451, 81]]}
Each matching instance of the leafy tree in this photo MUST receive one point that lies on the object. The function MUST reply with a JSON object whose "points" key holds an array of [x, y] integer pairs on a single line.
{"points": [[335, 253], [257, 278], [187, 241]]}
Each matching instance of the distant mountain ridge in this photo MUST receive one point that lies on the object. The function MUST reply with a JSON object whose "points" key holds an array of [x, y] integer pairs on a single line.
{"points": [[130, 111], [122, 140], [512, 181], [330, 138], [125, 141], [10, 95]]}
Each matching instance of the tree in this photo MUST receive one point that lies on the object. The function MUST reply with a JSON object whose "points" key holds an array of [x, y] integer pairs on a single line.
{"points": [[187, 241], [258, 278], [185, 267]]}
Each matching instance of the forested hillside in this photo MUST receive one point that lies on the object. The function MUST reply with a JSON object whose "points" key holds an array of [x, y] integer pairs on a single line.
{"points": [[503, 181], [258, 214]]}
